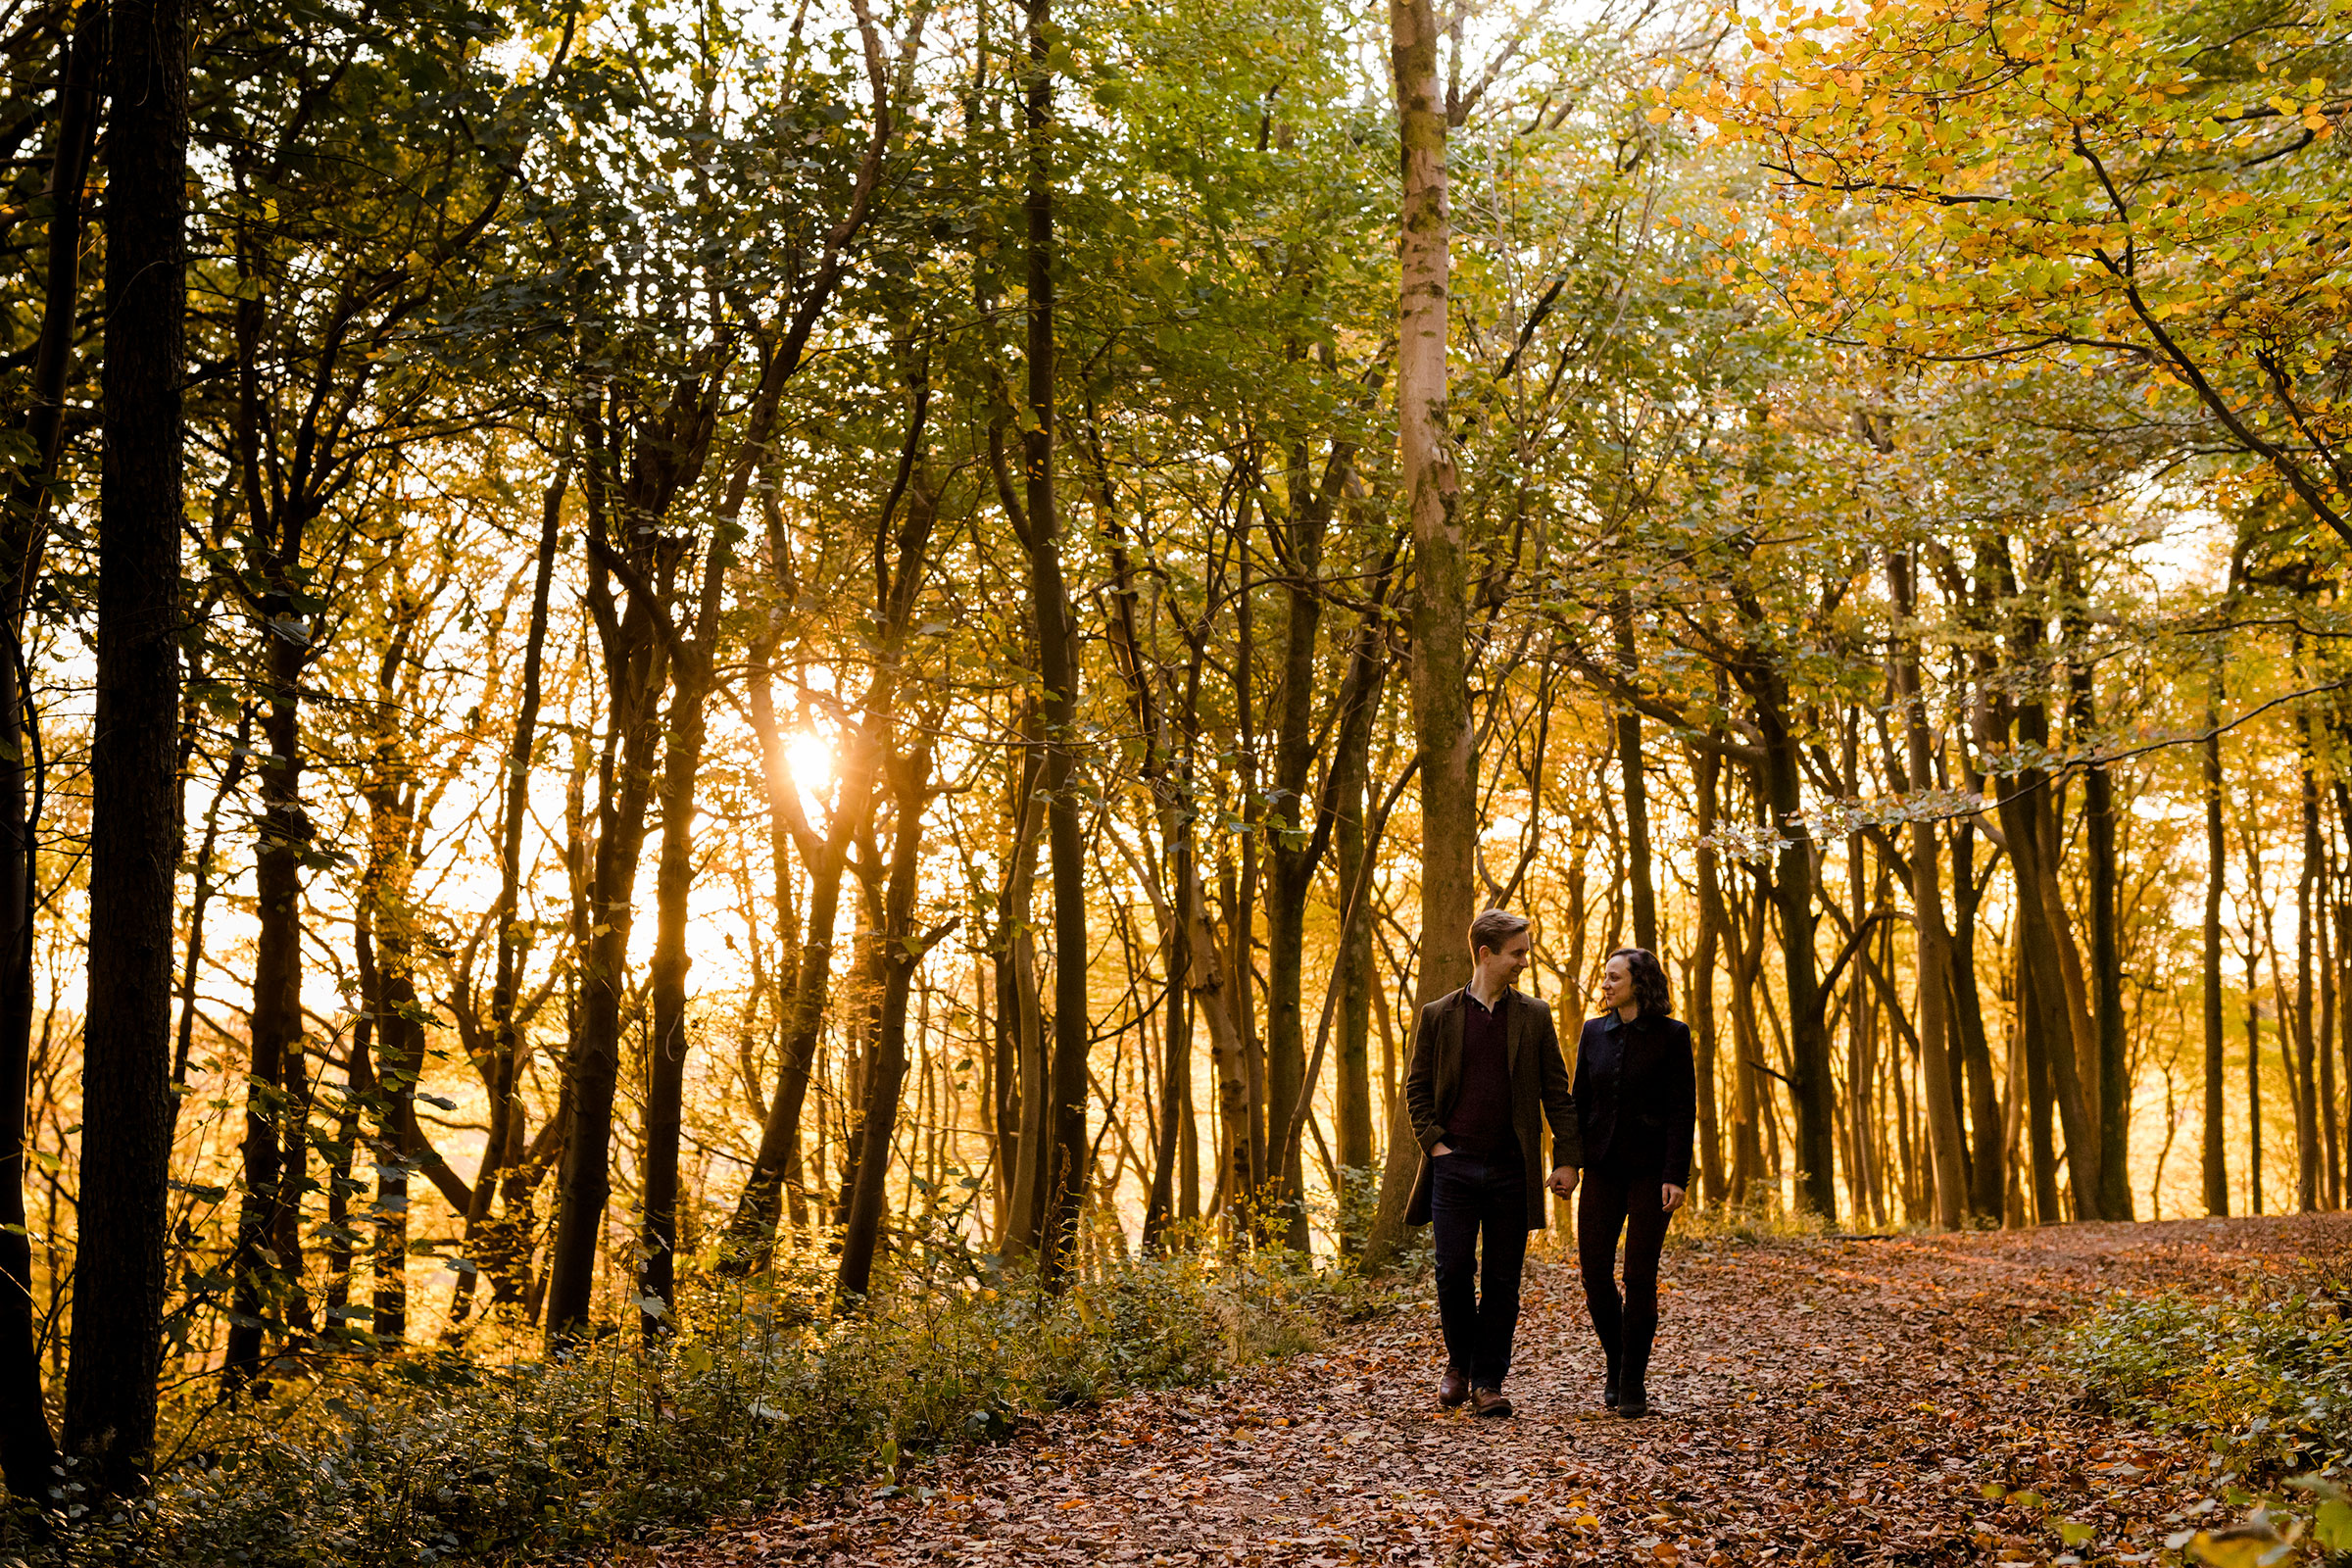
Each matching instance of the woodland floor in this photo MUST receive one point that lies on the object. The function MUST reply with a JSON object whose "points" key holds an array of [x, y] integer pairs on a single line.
{"points": [[1820, 1401]]}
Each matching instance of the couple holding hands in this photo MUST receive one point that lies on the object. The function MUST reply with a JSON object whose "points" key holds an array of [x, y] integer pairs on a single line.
{"points": [[1486, 1073]]}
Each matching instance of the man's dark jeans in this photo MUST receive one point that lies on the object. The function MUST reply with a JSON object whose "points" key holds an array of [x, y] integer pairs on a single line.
{"points": [[1477, 1287]]}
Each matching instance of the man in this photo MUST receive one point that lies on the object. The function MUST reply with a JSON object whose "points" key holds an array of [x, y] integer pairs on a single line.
{"points": [[1486, 1073]]}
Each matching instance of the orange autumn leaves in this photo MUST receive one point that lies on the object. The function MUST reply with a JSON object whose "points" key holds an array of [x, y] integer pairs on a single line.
{"points": [[2148, 186]]}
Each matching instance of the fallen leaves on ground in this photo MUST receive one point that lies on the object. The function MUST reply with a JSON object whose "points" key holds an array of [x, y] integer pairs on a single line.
{"points": [[1829, 1401]]}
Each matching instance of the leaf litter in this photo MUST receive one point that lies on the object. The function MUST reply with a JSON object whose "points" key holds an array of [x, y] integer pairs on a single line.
{"points": [[1839, 1401]]}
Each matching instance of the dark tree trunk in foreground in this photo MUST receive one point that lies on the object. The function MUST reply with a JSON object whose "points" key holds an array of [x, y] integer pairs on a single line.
{"points": [[1987, 1167], [623, 516], [1355, 865], [2031, 828], [134, 790], [27, 1448], [1290, 855], [1811, 1085], [2111, 1110]]}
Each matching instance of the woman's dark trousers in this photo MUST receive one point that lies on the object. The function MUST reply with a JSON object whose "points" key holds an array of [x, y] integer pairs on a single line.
{"points": [[1477, 1287], [1614, 1198]]}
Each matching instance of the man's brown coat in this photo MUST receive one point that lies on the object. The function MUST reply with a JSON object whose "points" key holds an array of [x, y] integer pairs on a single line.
{"points": [[1539, 1091]]}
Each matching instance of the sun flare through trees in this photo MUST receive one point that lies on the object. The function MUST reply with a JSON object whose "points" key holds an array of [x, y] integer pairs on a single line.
{"points": [[687, 667]]}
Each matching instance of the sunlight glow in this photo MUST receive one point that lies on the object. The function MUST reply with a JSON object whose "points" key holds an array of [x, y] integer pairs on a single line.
{"points": [[810, 759]]}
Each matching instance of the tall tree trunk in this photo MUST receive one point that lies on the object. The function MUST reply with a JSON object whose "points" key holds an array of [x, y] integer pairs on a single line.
{"points": [[2251, 850], [2039, 1043], [1810, 1083], [2216, 1165], [1176, 1053], [1933, 990], [1020, 1021], [400, 1061], [1293, 847], [1440, 692], [28, 1447], [2108, 979], [1237, 886], [359, 1086], [497, 1243], [1631, 778], [1747, 1109], [901, 951], [1706, 785], [2307, 900], [696, 672], [1989, 1145], [2323, 1033], [1065, 1149], [1356, 868], [135, 790], [636, 675], [261, 1278], [2030, 826]]}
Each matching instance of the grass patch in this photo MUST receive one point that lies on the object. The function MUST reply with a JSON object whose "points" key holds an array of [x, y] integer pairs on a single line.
{"points": [[428, 1457]]}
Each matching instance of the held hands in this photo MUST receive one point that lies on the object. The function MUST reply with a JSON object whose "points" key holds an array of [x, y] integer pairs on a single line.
{"points": [[1670, 1197], [1563, 1182]]}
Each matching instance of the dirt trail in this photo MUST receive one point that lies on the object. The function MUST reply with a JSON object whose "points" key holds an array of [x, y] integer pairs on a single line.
{"points": [[1839, 1401]]}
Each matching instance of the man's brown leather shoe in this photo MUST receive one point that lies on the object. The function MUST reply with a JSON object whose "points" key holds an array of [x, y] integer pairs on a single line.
{"points": [[1453, 1388], [1490, 1402]]}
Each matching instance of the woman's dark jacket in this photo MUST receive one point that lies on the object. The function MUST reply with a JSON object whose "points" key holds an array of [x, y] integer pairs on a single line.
{"points": [[1637, 1094]]}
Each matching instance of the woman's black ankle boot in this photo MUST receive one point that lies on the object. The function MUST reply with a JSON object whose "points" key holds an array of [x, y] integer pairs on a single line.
{"points": [[1632, 1398]]}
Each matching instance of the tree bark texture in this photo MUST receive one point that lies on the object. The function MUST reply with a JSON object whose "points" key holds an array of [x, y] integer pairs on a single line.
{"points": [[1932, 991], [497, 1244], [1440, 686], [1633, 781], [28, 1447], [135, 791], [900, 950]]}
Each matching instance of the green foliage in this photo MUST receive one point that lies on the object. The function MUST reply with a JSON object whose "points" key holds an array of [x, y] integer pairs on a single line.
{"points": [[432, 1458], [2269, 1382]]}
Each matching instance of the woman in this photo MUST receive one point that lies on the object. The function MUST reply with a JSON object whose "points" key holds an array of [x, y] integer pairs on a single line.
{"points": [[1637, 1105]]}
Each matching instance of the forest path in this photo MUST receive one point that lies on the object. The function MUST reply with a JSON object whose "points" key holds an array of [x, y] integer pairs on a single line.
{"points": [[1820, 1401]]}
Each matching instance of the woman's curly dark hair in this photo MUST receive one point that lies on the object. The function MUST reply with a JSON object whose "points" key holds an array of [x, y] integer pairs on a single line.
{"points": [[1649, 981]]}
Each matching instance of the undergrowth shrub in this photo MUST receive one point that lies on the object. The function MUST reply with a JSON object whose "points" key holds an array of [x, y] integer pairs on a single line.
{"points": [[2269, 1383], [428, 1457], [1760, 1221], [2266, 1383]]}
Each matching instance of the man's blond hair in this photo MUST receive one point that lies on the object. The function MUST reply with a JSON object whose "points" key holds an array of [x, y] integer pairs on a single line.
{"points": [[1493, 928]]}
